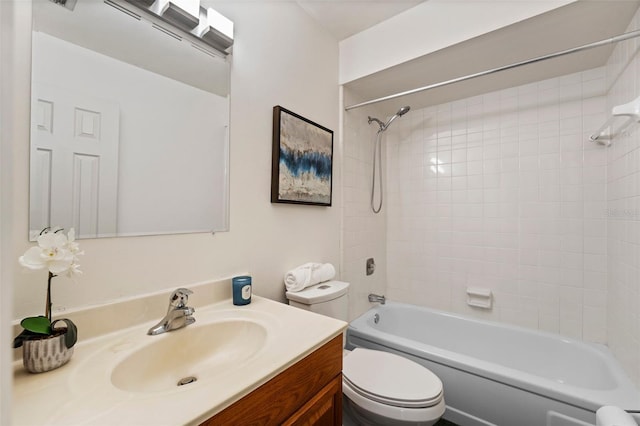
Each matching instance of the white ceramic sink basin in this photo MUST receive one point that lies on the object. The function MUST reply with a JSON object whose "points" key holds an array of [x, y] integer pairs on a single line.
{"points": [[200, 351], [121, 376]]}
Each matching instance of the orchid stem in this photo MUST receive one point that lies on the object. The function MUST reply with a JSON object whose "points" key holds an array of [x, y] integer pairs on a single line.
{"points": [[47, 309]]}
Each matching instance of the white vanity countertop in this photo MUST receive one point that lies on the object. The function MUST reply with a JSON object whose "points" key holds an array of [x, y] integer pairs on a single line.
{"points": [[82, 393]]}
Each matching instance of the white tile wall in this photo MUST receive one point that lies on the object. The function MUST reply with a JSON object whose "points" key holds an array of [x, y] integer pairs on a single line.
{"points": [[363, 232], [503, 191], [623, 212]]}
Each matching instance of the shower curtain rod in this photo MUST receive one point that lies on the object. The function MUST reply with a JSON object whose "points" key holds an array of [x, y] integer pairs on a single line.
{"points": [[604, 42]]}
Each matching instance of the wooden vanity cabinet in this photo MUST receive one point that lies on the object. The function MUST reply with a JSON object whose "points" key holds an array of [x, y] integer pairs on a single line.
{"points": [[307, 393]]}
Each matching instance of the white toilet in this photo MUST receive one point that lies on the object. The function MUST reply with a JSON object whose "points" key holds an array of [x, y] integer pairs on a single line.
{"points": [[380, 388]]}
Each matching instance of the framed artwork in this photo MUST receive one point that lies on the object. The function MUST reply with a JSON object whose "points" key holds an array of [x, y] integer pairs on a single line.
{"points": [[301, 167]]}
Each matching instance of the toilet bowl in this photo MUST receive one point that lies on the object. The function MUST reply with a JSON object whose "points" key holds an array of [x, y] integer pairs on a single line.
{"points": [[379, 388], [382, 388]]}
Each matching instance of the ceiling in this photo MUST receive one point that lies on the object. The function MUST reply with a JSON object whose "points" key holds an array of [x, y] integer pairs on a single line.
{"points": [[344, 18], [576, 24]]}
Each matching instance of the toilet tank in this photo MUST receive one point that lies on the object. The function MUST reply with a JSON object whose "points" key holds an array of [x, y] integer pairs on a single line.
{"points": [[330, 298]]}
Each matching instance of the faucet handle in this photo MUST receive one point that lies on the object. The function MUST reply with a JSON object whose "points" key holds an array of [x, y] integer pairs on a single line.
{"points": [[179, 298]]}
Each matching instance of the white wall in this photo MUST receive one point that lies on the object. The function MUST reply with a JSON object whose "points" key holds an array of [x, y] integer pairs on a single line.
{"points": [[293, 65], [623, 211], [422, 30], [12, 85]]}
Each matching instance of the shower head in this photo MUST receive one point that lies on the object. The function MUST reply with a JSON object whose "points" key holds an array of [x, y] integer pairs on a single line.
{"points": [[402, 111], [383, 126]]}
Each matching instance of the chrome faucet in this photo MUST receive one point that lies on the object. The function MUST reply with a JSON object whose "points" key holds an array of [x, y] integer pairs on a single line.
{"points": [[377, 298], [178, 314]]}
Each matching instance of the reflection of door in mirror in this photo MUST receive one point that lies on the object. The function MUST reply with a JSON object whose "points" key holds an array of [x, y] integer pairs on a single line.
{"points": [[74, 145], [168, 171]]}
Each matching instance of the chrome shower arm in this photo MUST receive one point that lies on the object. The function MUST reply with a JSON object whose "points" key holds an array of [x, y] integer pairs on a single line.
{"points": [[380, 123]]}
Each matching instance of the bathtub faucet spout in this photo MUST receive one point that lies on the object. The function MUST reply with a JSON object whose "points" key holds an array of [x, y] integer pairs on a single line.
{"points": [[377, 298]]}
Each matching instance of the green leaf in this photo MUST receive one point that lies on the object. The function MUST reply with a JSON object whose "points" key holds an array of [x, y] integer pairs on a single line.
{"points": [[25, 335], [39, 325], [71, 336]]}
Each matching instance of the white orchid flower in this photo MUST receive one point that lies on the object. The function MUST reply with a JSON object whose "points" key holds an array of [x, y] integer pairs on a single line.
{"points": [[74, 269], [32, 259], [55, 252], [59, 254], [71, 245]]}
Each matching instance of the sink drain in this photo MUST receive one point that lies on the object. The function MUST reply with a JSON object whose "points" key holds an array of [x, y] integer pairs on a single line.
{"points": [[187, 380]]}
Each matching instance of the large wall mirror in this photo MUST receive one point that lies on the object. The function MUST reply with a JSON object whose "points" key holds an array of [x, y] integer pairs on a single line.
{"points": [[129, 126]]}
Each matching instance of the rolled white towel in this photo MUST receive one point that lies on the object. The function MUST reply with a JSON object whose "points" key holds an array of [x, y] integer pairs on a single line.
{"points": [[308, 274]]}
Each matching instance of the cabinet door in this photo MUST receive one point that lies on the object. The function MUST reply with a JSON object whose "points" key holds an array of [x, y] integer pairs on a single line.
{"points": [[324, 409], [287, 394]]}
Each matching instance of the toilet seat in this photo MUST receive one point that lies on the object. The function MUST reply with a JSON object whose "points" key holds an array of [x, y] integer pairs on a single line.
{"points": [[390, 379]]}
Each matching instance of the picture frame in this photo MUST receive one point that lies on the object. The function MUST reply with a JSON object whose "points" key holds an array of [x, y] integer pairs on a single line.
{"points": [[302, 160]]}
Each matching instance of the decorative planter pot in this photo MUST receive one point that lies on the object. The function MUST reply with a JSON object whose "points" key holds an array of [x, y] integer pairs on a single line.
{"points": [[46, 354]]}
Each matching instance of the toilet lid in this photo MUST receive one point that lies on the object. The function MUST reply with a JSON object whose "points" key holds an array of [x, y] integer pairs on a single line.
{"points": [[391, 379]]}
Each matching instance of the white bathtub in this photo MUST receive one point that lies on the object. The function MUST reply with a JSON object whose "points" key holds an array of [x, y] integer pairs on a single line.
{"points": [[497, 374]]}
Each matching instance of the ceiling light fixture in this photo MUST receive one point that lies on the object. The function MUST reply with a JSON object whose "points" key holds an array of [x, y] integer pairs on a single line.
{"points": [[206, 25], [69, 4]]}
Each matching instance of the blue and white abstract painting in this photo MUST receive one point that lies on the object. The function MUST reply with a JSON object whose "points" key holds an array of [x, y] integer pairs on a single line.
{"points": [[305, 161]]}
